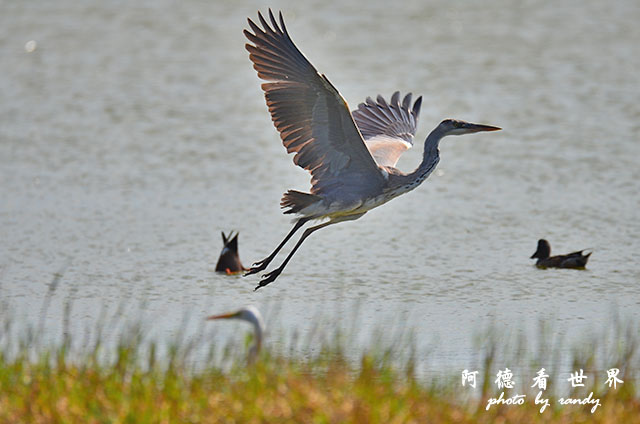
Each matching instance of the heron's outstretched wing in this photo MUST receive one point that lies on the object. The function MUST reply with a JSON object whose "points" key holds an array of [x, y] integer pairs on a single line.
{"points": [[388, 128], [312, 117]]}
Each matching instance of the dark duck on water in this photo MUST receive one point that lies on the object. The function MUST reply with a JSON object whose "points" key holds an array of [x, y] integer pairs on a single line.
{"points": [[229, 261], [575, 260]]}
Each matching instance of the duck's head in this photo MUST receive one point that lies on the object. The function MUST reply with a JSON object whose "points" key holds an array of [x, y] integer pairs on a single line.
{"points": [[543, 251], [457, 127]]}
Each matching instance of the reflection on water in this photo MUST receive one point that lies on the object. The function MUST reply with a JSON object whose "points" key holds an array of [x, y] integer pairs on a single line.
{"points": [[131, 135]]}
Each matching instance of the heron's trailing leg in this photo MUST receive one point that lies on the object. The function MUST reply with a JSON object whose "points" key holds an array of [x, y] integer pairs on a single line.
{"points": [[260, 265], [271, 276]]}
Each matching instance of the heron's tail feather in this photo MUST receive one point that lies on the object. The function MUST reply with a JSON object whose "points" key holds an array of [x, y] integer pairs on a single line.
{"points": [[297, 201]]}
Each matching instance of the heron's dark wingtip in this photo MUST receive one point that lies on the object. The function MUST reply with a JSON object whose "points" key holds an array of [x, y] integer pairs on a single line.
{"points": [[284, 28], [250, 22], [416, 106], [273, 21], [406, 101]]}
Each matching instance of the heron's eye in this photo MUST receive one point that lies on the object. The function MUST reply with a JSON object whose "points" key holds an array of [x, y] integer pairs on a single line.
{"points": [[457, 124]]}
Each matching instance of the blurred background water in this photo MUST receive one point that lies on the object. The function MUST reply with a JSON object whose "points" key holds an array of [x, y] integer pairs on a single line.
{"points": [[132, 133]]}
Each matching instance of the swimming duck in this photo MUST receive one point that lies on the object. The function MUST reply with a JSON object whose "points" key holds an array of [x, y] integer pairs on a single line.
{"points": [[574, 260], [229, 261]]}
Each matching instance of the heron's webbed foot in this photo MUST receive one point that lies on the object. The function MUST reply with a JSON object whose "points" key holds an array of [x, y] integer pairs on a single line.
{"points": [[268, 278]]}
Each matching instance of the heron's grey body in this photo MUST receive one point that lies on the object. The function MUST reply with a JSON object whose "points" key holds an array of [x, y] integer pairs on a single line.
{"points": [[351, 155]]}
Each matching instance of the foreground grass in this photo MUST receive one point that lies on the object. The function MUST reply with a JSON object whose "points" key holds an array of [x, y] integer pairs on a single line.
{"points": [[136, 389], [132, 382]]}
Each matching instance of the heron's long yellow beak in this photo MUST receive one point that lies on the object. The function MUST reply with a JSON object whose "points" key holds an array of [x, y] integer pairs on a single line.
{"points": [[482, 127], [223, 316]]}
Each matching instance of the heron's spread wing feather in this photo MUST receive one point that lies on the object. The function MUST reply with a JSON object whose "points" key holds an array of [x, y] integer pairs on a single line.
{"points": [[388, 128], [312, 117]]}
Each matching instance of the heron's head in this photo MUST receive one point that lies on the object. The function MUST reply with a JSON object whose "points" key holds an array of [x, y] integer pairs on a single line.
{"points": [[248, 313], [456, 127], [252, 315], [543, 251]]}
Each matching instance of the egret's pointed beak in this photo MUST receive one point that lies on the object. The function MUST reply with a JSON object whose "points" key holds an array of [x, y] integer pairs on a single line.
{"points": [[223, 316], [480, 127]]}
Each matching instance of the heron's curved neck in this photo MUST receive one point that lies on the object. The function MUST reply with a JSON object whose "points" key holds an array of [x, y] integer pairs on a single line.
{"points": [[430, 156]]}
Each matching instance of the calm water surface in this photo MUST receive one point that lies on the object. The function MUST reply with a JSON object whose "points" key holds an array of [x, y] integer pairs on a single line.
{"points": [[132, 135]]}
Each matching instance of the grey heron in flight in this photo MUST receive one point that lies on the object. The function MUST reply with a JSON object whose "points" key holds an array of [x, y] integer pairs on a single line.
{"points": [[351, 155], [252, 315]]}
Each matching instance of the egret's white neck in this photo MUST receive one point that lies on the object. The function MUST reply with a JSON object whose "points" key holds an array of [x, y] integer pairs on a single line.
{"points": [[258, 333]]}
